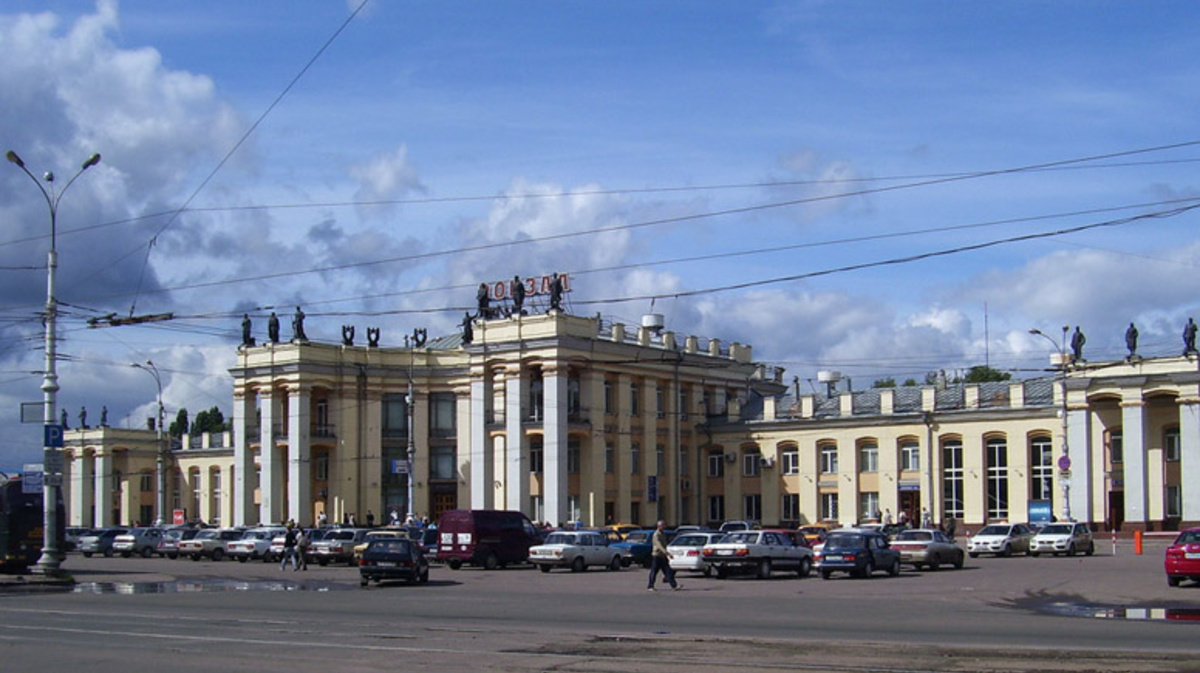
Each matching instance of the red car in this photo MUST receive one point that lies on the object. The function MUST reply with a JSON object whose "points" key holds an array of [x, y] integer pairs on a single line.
{"points": [[1183, 558]]}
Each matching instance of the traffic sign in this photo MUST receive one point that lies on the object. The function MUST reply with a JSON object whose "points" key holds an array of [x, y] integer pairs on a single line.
{"points": [[1064, 462], [53, 435]]}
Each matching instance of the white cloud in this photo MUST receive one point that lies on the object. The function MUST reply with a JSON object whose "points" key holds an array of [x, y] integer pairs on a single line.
{"points": [[383, 177]]}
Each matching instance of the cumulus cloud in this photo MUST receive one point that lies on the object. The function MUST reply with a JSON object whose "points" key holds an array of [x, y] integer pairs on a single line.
{"points": [[385, 176]]}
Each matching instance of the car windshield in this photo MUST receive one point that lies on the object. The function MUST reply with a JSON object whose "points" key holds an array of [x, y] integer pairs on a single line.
{"points": [[560, 538], [993, 530], [844, 540], [256, 535], [1057, 529], [1188, 537], [918, 535], [690, 541], [638, 536], [741, 538], [206, 534], [339, 535], [393, 545]]}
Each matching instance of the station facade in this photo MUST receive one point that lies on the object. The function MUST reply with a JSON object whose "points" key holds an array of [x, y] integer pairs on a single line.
{"points": [[570, 418]]}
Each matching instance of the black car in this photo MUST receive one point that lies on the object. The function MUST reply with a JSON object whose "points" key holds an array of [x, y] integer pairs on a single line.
{"points": [[393, 559], [857, 552]]}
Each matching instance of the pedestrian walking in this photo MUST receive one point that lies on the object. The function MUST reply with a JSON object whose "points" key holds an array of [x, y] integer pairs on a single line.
{"points": [[660, 560], [302, 542], [289, 548]]}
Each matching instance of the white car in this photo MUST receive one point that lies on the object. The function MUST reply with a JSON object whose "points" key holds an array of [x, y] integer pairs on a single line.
{"points": [[686, 550], [761, 551], [254, 544], [575, 549], [1001, 539], [1063, 538]]}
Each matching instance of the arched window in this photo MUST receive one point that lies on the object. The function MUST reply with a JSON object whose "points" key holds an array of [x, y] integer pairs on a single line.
{"points": [[997, 477], [1041, 468], [952, 477]]}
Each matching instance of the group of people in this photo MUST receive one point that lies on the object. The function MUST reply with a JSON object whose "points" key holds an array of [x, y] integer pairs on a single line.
{"points": [[295, 548]]}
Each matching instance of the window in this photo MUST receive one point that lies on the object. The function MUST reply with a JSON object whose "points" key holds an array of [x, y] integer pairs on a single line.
{"points": [[829, 506], [791, 506], [1174, 501], [635, 399], [660, 458], [716, 508], [952, 478], [176, 489], [610, 458], [573, 456], [395, 416], [1171, 446], [751, 460], [997, 478], [791, 460], [321, 459], [538, 505], [716, 464], [537, 456], [574, 398], [1041, 468], [573, 511], [683, 462], [116, 481], [683, 404], [868, 458], [441, 414], [910, 456], [214, 513], [659, 405], [635, 459], [197, 492], [752, 507], [537, 398], [829, 459], [868, 505], [1116, 446], [608, 397], [146, 482], [441, 462]]}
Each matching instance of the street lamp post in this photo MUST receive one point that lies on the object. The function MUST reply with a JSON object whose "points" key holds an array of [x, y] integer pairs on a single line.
{"points": [[1065, 461], [50, 562], [160, 502]]}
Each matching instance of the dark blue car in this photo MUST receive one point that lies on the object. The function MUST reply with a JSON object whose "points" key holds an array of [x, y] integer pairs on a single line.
{"points": [[857, 552], [637, 545]]}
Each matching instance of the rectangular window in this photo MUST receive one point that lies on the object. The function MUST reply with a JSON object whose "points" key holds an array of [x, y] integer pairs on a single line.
{"points": [[538, 505], [441, 462], [395, 416], [147, 482], [322, 466], [829, 459], [609, 408], [573, 458], [716, 464], [635, 399], [635, 459], [1041, 468], [537, 457], [752, 507], [1171, 446], [197, 492], [791, 506], [537, 398], [610, 459], [868, 505], [1174, 501], [952, 479], [716, 508], [910, 457], [660, 460], [574, 398], [1116, 446], [829, 506], [683, 462], [791, 461], [660, 410], [683, 404], [442, 414], [215, 485], [868, 458], [997, 478], [750, 463], [176, 489], [573, 511]]}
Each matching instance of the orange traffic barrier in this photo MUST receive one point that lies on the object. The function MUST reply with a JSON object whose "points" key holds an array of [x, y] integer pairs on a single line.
{"points": [[1137, 542]]}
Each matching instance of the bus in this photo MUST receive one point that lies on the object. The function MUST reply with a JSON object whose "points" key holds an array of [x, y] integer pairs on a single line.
{"points": [[21, 520]]}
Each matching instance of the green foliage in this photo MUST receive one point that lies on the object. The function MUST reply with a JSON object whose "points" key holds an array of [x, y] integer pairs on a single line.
{"points": [[209, 421], [910, 381], [179, 427], [984, 373], [884, 383]]}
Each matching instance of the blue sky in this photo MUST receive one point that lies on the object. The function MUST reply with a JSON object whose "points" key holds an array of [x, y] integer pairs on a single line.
{"points": [[432, 127]]}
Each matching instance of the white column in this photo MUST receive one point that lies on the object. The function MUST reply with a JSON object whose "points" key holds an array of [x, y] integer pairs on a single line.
{"points": [[1079, 433], [271, 484], [299, 465], [1189, 458], [103, 491], [554, 445], [1133, 434], [243, 460], [81, 490], [481, 446], [516, 449]]}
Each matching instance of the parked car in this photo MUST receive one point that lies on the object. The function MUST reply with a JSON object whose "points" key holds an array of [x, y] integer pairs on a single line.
{"points": [[168, 544], [858, 553], [1063, 538], [637, 546], [72, 535], [140, 541], [209, 543], [1001, 539], [927, 548], [575, 549], [100, 541], [381, 533], [392, 559], [1182, 560], [484, 537], [686, 551], [730, 526], [815, 533], [337, 546], [762, 551], [254, 544]]}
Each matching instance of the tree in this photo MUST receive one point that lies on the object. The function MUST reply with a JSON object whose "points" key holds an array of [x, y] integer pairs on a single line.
{"points": [[209, 421], [910, 381], [179, 427], [984, 374], [884, 383]]}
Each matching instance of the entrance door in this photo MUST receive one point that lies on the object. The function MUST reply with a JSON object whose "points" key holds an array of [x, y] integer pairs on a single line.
{"points": [[910, 504], [1116, 509], [443, 500]]}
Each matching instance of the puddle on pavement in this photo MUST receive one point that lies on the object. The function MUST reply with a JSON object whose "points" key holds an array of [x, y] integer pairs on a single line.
{"points": [[1090, 611], [203, 586]]}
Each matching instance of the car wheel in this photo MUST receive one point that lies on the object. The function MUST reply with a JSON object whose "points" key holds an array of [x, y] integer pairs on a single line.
{"points": [[425, 575], [1006, 552], [958, 561], [974, 554], [707, 571], [173, 556], [108, 553], [868, 570], [126, 554], [935, 563], [825, 574], [615, 563], [266, 558], [1071, 549], [454, 563], [894, 569], [147, 552], [364, 582], [764, 569], [1173, 581], [87, 554], [195, 557], [578, 566], [323, 562], [805, 568], [722, 573], [1035, 554], [544, 567], [625, 563], [241, 559], [218, 554], [490, 562], [1091, 549]]}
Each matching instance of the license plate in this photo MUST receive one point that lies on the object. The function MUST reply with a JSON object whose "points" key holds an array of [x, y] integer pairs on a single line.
{"points": [[1192, 555], [386, 564], [834, 557], [724, 552]]}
